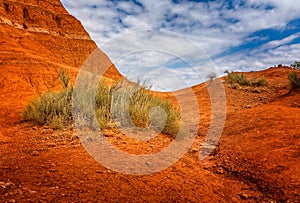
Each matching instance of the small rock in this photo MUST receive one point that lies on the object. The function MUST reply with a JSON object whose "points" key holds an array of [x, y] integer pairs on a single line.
{"points": [[152, 145], [2, 184], [194, 150], [74, 137], [220, 171], [206, 167], [256, 91], [244, 196], [51, 144], [35, 153], [12, 201], [108, 133], [34, 128], [32, 191]]}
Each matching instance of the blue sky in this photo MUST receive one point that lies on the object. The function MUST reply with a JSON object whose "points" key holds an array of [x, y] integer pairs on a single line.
{"points": [[237, 35]]}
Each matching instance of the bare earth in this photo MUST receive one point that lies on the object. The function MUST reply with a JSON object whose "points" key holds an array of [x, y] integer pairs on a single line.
{"points": [[257, 159]]}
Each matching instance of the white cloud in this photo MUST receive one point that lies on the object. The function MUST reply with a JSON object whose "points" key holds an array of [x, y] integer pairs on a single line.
{"points": [[285, 54], [278, 43], [216, 27]]}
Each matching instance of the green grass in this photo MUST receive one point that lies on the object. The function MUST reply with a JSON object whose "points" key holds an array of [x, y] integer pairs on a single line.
{"points": [[236, 80], [143, 104], [52, 109], [114, 105], [294, 79]]}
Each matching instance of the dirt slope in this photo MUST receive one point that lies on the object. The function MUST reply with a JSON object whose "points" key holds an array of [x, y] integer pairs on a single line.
{"points": [[261, 145], [260, 142], [257, 159]]}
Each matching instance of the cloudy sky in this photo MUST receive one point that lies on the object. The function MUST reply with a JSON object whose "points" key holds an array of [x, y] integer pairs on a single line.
{"points": [[177, 43]]}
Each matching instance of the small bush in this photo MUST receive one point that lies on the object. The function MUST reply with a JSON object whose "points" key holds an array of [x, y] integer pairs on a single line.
{"points": [[111, 103], [142, 104], [234, 79], [296, 65], [211, 76], [240, 79], [262, 82], [294, 79], [52, 108]]}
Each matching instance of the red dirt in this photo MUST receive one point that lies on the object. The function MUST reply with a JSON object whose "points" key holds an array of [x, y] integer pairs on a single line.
{"points": [[257, 158]]}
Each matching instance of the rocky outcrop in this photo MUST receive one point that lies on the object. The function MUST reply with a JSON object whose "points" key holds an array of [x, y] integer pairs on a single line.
{"points": [[45, 29], [38, 38]]}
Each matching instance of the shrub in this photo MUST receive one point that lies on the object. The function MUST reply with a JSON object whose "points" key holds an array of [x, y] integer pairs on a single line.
{"points": [[111, 103], [258, 83], [294, 79], [143, 104], [211, 76], [240, 79], [50, 109], [296, 65]]}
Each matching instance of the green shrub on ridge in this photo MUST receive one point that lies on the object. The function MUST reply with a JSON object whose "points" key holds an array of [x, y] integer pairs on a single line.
{"points": [[236, 79], [294, 79]]}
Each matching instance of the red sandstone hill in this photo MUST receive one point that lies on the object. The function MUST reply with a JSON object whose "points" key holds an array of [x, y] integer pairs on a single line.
{"points": [[257, 158], [37, 39]]}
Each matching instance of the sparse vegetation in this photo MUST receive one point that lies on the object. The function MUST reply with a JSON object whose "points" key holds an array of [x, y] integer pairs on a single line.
{"points": [[51, 108], [141, 105], [294, 79], [296, 65], [235, 80], [211, 76], [55, 108]]}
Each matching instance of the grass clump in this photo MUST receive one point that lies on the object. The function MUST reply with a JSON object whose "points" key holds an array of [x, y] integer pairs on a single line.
{"points": [[126, 105], [52, 108], [134, 105], [236, 80], [294, 79]]}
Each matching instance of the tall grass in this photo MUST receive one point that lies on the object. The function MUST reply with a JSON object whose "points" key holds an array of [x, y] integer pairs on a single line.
{"points": [[126, 105], [52, 108], [135, 105]]}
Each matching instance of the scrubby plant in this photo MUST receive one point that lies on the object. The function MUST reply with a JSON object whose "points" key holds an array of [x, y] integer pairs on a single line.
{"points": [[261, 82], [294, 79], [296, 65], [111, 103], [133, 104], [236, 79], [64, 78], [212, 76], [51, 108]]}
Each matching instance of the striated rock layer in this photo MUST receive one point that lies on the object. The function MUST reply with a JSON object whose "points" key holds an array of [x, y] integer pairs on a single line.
{"points": [[37, 39]]}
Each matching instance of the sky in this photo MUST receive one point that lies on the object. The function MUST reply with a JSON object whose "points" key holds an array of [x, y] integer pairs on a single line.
{"points": [[173, 44]]}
